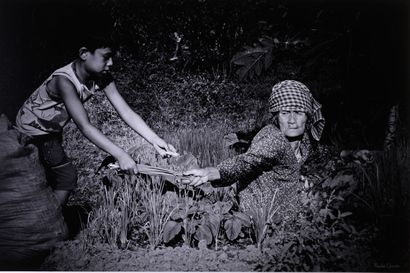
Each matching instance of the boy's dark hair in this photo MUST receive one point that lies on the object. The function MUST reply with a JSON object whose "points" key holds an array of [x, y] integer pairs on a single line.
{"points": [[95, 41], [94, 35]]}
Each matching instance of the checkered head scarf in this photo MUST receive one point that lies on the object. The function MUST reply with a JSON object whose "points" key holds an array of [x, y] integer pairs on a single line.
{"points": [[295, 96]]}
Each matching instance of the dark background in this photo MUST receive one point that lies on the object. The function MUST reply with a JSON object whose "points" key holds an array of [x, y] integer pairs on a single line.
{"points": [[37, 37]]}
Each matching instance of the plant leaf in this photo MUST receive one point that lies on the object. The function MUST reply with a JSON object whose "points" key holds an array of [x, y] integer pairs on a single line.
{"points": [[266, 42], [171, 230], [245, 219], [226, 206], [345, 214], [178, 215], [243, 57], [203, 232], [252, 61], [268, 59], [233, 228], [193, 209], [214, 223]]}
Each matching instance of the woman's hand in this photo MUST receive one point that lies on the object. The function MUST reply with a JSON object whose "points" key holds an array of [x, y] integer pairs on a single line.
{"points": [[126, 163], [197, 177], [165, 149]]}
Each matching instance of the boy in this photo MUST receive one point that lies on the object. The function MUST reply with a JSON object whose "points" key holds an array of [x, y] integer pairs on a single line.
{"points": [[61, 97]]}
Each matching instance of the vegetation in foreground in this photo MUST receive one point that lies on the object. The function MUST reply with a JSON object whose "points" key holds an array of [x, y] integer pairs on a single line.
{"points": [[348, 207]]}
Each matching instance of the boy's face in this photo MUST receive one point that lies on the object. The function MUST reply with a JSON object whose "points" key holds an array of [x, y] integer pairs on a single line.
{"points": [[99, 61]]}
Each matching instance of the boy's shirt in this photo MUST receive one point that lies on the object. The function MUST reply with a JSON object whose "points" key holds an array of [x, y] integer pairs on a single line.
{"points": [[44, 112]]}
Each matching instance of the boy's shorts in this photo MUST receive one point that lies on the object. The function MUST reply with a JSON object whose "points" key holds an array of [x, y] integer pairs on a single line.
{"points": [[60, 172]]}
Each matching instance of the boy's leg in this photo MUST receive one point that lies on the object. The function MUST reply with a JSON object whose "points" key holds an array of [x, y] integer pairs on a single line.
{"points": [[62, 196], [63, 179], [61, 174]]}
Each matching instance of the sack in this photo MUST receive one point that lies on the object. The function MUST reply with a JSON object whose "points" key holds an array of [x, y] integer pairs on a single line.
{"points": [[31, 221]]}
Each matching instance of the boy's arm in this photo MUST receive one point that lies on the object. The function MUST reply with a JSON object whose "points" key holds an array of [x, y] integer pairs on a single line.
{"points": [[136, 122], [76, 110]]}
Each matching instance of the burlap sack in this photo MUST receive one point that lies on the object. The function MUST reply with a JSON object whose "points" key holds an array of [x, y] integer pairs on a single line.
{"points": [[31, 220]]}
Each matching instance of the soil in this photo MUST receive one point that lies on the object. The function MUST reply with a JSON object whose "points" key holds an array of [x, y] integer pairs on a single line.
{"points": [[72, 256], [75, 254]]}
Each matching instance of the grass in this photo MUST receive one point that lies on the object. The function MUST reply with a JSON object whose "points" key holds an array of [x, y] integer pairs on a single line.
{"points": [[206, 144], [132, 204], [261, 216], [116, 212], [158, 207]]}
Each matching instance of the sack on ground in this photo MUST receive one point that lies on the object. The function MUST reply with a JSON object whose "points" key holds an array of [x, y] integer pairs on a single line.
{"points": [[31, 220]]}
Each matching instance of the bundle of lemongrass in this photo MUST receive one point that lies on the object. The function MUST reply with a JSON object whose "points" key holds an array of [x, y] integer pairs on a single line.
{"points": [[167, 174]]}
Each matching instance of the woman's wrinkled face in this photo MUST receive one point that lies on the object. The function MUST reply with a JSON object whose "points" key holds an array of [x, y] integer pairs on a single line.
{"points": [[292, 123]]}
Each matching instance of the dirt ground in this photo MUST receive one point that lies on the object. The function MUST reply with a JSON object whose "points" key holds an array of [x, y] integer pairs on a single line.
{"points": [[70, 256]]}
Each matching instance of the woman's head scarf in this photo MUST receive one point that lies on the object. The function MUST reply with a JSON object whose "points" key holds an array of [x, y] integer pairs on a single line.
{"points": [[295, 96]]}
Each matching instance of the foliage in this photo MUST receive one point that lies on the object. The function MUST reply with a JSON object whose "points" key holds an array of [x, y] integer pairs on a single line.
{"points": [[208, 36], [204, 219], [209, 31], [211, 224], [197, 125], [261, 217], [157, 208], [184, 218], [383, 180], [169, 99], [253, 61], [205, 145], [322, 238], [117, 212]]}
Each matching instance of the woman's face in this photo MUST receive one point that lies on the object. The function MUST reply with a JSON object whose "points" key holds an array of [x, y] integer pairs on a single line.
{"points": [[292, 123]]}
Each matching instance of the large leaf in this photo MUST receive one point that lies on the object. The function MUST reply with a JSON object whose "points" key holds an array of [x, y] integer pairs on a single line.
{"points": [[226, 207], [242, 58], [221, 207], [214, 223], [171, 230], [267, 41], [268, 59], [253, 61], [339, 181], [191, 226], [178, 215], [244, 218], [203, 232], [232, 228], [193, 209]]}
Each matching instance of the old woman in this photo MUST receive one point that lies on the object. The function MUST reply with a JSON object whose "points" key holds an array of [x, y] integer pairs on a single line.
{"points": [[273, 161]]}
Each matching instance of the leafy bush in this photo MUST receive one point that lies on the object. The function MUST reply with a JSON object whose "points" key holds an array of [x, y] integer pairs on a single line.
{"points": [[210, 30], [322, 238], [170, 100], [253, 61]]}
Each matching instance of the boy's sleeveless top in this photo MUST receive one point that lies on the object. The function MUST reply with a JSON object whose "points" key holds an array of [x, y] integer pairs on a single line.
{"points": [[44, 112]]}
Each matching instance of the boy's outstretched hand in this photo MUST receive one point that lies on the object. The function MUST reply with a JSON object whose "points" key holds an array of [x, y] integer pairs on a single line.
{"points": [[165, 149], [126, 163]]}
